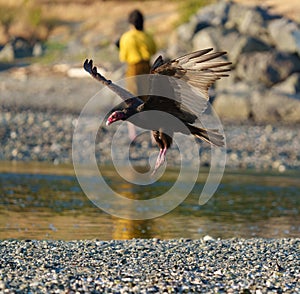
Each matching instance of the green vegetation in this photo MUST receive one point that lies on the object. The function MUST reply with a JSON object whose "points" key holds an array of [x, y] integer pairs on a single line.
{"points": [[54, 52], [34, 22], [7, 16], [35, 16], [189, 7]]}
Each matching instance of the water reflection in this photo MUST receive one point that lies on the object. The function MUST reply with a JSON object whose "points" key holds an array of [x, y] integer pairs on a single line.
{"points": [[49, 206], [128, 229]]}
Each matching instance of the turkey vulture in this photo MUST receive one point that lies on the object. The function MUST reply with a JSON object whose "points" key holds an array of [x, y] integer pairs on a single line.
{"points": [[198, 70]]}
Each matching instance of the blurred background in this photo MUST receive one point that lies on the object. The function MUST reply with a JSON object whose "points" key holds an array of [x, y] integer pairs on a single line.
{"points": [[43, 88]]}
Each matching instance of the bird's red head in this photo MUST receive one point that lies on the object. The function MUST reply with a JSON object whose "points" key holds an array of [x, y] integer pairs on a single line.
{"points": [[115, 116]]}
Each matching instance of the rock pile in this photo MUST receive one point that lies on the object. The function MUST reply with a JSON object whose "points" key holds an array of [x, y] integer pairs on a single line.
{"points": [[265, 51]]}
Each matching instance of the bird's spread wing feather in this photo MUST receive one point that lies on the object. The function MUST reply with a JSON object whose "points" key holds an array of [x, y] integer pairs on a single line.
{"points": [[128, 97], [199, 70]]}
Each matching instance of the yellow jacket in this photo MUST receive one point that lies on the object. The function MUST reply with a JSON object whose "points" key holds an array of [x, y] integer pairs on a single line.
{"points": [[136, 46]]}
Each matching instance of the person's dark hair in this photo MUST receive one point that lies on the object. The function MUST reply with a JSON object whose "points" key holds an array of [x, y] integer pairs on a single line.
{"points": [[137, 19]]}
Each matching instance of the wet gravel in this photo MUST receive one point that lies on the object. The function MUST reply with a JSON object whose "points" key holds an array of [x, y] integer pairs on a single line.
{"points": [[46, 135], [150, 266]]}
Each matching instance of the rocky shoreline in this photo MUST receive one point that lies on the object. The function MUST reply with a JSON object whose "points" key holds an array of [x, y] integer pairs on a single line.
{"points": [[150, 266], [46, 135]]}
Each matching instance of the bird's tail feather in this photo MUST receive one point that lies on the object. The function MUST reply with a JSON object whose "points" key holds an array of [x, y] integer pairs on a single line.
{"points": [[212, 137]]}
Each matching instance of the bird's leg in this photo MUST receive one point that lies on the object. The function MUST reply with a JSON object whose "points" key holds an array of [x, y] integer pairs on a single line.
{"points": [[163, 154], [160, 159], [157, 164]]}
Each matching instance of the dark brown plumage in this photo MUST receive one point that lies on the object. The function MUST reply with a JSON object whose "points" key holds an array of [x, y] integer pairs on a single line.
{"points": [[197, 71]]}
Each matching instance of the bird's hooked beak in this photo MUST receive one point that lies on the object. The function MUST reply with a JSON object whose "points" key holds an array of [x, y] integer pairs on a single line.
{"points": [[115, 116], [110, 120]]}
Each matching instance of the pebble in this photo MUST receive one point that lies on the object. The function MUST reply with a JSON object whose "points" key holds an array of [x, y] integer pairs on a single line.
{"points": [[150, 266], [46, 135]]}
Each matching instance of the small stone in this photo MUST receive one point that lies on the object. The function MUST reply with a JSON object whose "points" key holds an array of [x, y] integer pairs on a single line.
{"points": [[14, 152], [13, 135], [207, 238]]}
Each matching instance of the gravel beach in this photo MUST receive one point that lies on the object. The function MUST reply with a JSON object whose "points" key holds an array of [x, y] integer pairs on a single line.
{"points": [[151, 266], [46, 135]]}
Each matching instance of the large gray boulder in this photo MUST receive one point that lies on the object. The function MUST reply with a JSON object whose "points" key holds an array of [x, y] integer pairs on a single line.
{"points": [[207, 38], [267, 68], [271, 106], [212, 15], [289, 86], [242, 44], [240, 17], [234, 106], [7, 53], [285, 35], [228, 40]]}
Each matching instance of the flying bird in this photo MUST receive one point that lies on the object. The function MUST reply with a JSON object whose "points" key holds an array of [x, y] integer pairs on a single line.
{"points": [[186, 81]]}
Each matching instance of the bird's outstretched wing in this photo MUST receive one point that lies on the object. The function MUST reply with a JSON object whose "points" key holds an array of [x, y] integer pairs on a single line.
{"points": [[129, 98], [197, 71]]}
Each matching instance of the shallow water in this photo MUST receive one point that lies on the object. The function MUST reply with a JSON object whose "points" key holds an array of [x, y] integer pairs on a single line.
{"points": [[46, 202]]}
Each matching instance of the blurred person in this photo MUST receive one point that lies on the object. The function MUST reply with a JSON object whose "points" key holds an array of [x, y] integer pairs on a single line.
{"points": [[136, 49]]}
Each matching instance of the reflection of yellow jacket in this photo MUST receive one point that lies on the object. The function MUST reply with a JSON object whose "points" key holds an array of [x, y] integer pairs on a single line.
{"points": [[136, 46]]}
